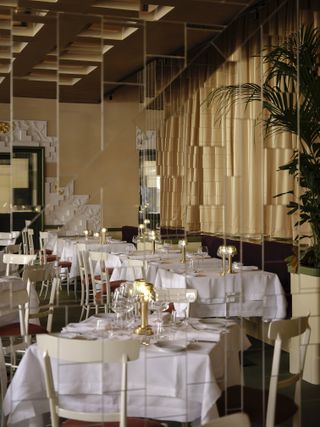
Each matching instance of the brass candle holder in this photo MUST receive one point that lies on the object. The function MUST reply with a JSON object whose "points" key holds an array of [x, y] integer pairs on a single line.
{"points": [[145, 293], [153, 241], [103, 235], [226, 252], [182, 244]]}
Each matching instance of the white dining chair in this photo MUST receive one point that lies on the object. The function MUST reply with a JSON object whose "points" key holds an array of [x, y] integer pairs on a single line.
{"points": [[27, 241], [77, 351], [182, 296], [269, 407], [99, 274], [13, 249], [131, 269], [20, 332], [14, 303], [3, 383], [35, 274], [64, 265], [13, 261], [238, 419]]}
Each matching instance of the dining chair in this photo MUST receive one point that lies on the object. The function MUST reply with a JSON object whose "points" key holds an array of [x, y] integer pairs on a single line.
{"points": [[177, 296], [41, 273], [100, 275], [20, 333], [269, 407], [239, 419], [77, 351], [14, 302], [13, 261], [13, 249], [64, 265], [27, 241], [3, 383]]}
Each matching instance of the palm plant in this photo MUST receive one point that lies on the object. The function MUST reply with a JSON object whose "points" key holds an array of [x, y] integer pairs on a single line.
{"points": [[290, 97]]}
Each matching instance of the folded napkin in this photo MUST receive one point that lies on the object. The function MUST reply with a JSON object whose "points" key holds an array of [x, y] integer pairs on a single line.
{"points": [[245, 267], [191, 334]]}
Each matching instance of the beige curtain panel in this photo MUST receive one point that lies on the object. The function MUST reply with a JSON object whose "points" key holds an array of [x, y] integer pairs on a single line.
{"points": [[221, 176]]}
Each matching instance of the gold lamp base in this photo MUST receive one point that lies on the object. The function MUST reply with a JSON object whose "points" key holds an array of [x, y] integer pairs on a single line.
{"points": [[143, 330]]}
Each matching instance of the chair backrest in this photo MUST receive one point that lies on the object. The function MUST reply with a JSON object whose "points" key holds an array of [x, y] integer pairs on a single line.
{"points": [[3, 381], [240, 419], [99, 273], [82, 351], [15, 301], [139, 267], [281, 331], [39, 273], [13, 249], [98, 263], [27, 241], [43, 239], [81, 249], [17, 259], [177, 296]]}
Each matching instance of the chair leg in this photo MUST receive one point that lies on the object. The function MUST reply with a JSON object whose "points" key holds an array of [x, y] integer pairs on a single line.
{"points": [[82, 312]]}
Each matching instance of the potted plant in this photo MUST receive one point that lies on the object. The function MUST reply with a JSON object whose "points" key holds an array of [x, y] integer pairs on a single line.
{"points": [[290, 97]]}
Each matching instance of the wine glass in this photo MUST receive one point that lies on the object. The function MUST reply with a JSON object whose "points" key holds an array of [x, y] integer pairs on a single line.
{"points": [[122, 304], [203, 251]]}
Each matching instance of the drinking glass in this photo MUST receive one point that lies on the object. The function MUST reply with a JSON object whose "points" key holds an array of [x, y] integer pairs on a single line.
{"points": [[122, 305], [203, 251]]}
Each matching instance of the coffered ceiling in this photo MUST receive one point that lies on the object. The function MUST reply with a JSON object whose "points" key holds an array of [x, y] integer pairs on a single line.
{"points": [[80, 43]]}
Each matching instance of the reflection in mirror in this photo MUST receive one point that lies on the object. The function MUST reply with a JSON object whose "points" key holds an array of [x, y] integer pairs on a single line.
{"points": [[80, 123]]}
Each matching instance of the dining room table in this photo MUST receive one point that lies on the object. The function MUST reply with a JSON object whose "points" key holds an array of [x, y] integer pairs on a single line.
{"points": [[65, 248], [244, 292], [179, 375]]}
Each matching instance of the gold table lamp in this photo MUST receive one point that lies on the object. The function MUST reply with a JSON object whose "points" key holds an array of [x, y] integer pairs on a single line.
{"points": [[224, 252], [145, 293]]}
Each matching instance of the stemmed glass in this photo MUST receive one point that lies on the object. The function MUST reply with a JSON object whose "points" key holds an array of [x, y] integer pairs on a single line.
{"points": [[203, 251], [122, 304], [159, 307]]}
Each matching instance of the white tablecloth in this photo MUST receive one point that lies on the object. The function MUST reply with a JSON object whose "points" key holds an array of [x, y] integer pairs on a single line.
{"points": [[66, 250], [180, 386], [246, 293]]}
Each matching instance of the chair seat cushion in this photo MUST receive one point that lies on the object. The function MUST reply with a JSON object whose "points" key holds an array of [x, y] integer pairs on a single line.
{"points": [[51, 258], [65, 264], [131, 422], [254, 400], [36, 329], [11, 330]]}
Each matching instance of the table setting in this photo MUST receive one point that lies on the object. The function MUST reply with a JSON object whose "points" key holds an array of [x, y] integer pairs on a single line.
{"points": [[184, 365]]}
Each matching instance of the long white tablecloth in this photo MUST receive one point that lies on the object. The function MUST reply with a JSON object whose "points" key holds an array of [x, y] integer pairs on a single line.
{"points": [[180, 386], [66, 250], [244, 294]]}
